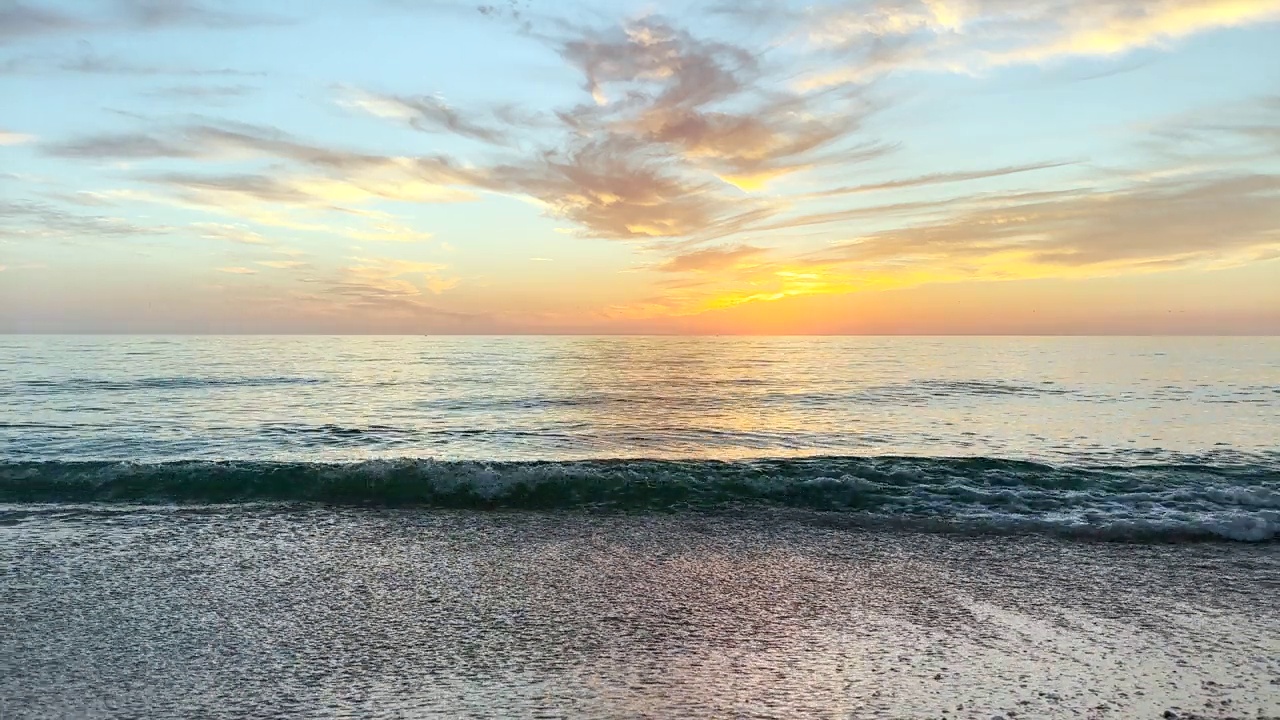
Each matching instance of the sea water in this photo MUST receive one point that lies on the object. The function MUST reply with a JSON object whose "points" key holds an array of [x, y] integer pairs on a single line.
{"points": [[1150, 437], [446, 527]]}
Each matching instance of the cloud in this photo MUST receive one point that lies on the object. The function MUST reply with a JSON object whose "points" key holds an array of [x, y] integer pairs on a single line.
{"points": [[13, 138], [1207, 220], [426, 113], [395, 276], [230, 233], [672, 129], [155, 14], [389, 232], [18, 19], [122, 146], [615, 192], [690, 126], [670, 90], [22, 19], [321, 178], [239, 141], [937, 179], [1176, 221], [711, 259], [655, 152], [1243, 130], [389, 285], [88, 62], [970, 36], [237, 270], [284, 264], [190, 93], [23, 219]]}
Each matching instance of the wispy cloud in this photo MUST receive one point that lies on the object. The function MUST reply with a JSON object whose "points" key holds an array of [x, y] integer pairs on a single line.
{"points": [[284, 264], [197, 93], [1207, 220], [231, 233], [1179, 220], [427, 113], [389, 285], [389, 232], [937, 179], [87, 61], [20, 19], [13, 138], [154, 14], [970, 36], [313, 179], [237, 270], [31, 220], [711, 259]]}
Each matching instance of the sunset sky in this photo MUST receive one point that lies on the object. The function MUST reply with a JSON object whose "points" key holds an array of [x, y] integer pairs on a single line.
{"points": [[761, 166]]}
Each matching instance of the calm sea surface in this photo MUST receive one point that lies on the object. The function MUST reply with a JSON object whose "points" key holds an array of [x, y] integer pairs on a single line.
{"points": [[1060, 400]]}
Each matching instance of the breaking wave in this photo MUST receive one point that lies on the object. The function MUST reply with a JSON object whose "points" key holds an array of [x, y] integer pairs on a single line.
{"points": [[1143, 502]]}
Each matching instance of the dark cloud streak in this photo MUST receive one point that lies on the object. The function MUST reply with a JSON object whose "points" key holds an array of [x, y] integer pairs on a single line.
{"points": [[20, 20]]}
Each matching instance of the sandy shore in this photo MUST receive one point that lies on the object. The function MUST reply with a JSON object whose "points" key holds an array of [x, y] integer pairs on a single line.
{"points": [[250, 612]]}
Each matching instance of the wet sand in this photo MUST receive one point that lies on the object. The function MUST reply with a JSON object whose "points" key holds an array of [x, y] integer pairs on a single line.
{"points": [[260, 611]]}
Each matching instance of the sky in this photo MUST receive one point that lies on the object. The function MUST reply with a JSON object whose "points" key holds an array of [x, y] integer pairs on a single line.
{"points": [[722, 167]]}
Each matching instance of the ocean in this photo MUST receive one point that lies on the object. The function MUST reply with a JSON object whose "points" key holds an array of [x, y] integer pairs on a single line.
{"points": [[639, 527]]}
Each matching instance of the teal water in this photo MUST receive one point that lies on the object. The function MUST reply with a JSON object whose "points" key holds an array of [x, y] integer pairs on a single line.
{"points": [[1115, 437]]}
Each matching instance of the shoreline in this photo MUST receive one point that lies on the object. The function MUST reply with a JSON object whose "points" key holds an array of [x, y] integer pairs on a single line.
{"points": [[229, 612]]}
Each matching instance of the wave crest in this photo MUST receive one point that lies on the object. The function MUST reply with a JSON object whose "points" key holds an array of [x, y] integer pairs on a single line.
{"points": [[985, 494]]}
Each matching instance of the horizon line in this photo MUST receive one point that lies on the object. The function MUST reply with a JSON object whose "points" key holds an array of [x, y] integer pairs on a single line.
{"points": [[641, 334]]}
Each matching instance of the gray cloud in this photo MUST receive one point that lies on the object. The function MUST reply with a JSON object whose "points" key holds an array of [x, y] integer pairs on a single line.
{"points": [[122, 146], [18, 19], [231, 140], [29, 220], [26, 19], [88, 62], [939, 179], [261, 187], [201, 92], [431, 114], [153, 14]]}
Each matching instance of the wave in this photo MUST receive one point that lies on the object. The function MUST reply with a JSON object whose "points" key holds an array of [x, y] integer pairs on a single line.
{"points": [[1152, 502], [336, 435], [72, 385]]}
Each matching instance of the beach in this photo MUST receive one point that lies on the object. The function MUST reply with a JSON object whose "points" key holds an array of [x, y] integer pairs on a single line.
{"points": [[267, 611]]}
